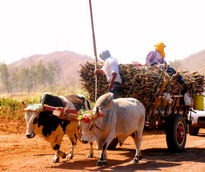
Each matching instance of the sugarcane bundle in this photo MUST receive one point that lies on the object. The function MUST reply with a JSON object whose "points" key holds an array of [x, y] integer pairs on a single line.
{"points": [[88, 80], [195, 81], [141, 82]]}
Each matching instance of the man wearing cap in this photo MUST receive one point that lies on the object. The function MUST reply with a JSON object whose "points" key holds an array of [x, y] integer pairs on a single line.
{"points": [[111, 70]]}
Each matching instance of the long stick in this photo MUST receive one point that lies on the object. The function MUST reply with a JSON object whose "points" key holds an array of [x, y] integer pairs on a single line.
{"points": [[94, 46]]}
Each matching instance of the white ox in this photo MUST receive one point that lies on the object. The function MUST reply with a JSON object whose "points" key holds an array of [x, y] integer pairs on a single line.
{"points": [[52, 128], [113, 118]]}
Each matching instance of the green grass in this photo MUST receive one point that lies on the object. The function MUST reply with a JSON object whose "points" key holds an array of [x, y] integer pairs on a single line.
{"points": [[10, 108]]}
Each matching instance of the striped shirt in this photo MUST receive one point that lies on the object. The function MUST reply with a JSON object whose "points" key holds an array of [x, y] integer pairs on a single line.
{"points": [[154, 57]]}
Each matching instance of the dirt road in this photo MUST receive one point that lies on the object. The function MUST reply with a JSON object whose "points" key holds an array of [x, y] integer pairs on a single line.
{"points": [[17, 153]]}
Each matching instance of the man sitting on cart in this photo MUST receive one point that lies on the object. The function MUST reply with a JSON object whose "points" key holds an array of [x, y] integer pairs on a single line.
{"points": [[157, 57]]}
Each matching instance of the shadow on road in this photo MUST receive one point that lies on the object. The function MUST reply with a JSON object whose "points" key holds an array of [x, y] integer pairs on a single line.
{"points": [[201, 135], [43, 154], [189, 154], [153, 159]]}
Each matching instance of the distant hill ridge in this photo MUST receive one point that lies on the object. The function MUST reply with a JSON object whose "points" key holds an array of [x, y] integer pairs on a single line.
{"points": [[194, 62], [69, 61]]}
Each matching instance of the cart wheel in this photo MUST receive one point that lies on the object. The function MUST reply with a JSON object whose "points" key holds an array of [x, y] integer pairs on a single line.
{"points": [[193, 130], [175, 133], [113, 144]]}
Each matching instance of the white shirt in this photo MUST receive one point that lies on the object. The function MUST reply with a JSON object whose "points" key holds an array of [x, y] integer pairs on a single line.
{"points": [[111, 66]]}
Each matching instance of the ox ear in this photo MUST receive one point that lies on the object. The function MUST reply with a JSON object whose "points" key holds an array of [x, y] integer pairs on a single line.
{"points": [[24, 105]]}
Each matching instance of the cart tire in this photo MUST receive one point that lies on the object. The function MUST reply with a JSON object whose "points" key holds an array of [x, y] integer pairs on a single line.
{"points": [[175, 133], [113, 144], [193, 130]]}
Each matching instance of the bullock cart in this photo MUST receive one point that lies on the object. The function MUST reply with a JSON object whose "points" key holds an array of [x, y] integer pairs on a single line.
{"points": [[160, 91]]}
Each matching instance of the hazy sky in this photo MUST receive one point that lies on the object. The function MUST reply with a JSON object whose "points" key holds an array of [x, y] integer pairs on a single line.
{"points": [[128, 28]]}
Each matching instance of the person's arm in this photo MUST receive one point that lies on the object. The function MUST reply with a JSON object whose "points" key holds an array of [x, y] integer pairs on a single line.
{"points": [[114, 75], [150, 57], [98, 71], [164, 61]]}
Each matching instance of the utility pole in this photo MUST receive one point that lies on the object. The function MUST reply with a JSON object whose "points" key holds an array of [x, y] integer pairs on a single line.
{"points": [[94, 47]]}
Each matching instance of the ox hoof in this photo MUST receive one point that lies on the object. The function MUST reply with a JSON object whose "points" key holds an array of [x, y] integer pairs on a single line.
{"points": [[63, 155], [69, 157], [140, 156], [90, 155], [55, 160], [101, 163], [135, 161]]}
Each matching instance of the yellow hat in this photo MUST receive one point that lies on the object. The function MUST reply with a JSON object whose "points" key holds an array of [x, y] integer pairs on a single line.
{"points": [[160, 48]]}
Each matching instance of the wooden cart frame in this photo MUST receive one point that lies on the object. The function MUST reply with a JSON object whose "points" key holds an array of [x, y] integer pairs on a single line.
{"points": [[171, 116]]}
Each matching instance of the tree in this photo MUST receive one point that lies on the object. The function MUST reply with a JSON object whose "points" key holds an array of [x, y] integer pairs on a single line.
{"points": [[5, 77], [41, 72], [26, 79], [15, 80], [51, 72]]}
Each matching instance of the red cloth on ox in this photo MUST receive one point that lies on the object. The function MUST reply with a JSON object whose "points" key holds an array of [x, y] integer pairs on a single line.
{"points": [[61, 109]]}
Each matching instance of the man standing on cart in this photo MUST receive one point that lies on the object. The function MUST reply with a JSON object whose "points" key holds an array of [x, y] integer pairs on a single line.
{"points": [[111, 70]]}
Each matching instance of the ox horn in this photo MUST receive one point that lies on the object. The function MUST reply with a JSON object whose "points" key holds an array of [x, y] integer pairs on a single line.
{"points": [[97, 114], [24, 104]]}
